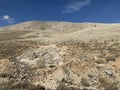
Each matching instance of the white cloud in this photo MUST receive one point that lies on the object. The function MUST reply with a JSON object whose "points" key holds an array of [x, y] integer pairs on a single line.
{"points": [[75, 5], [6, 17], [9, 19]]}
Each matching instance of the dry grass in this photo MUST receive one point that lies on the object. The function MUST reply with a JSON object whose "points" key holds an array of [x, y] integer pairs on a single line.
{"points": [[108, 84], [11, 35], [13, 49]]}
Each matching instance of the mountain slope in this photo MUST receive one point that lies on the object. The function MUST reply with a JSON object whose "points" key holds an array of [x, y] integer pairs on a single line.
{"points": [[62, 31], [60, 56]]}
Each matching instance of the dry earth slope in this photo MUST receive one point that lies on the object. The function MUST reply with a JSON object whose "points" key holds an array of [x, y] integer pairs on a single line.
{"points": [[60, 56]]}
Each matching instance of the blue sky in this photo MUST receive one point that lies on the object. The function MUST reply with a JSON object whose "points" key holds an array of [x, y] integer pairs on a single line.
{"points": [[16, 11]]}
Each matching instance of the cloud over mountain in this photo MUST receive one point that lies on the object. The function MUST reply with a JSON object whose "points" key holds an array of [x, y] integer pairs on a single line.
{"points": [[7, 18], [75, 5]]}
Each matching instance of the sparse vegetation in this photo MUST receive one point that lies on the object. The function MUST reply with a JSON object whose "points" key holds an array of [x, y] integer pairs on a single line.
{"points": [[110, 58], [62, 86], [41, 63], [108, 84], [86, 49], [85, 82]]}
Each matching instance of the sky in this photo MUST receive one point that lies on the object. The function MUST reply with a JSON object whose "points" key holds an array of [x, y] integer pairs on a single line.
{"points": [[101, 11]]}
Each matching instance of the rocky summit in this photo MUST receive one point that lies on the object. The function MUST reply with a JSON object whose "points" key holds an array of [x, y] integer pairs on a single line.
{"points": [[38, 55]]}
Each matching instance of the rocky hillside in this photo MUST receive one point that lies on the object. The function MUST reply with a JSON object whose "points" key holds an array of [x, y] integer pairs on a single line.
{"points": [[60, 56]]}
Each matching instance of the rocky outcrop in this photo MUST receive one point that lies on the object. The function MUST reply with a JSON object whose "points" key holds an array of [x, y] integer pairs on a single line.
{"points": [[45, 56], [64, 66]]}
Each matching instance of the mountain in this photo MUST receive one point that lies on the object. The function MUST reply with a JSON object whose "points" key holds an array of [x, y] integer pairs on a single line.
{"points": [[37, 55]]}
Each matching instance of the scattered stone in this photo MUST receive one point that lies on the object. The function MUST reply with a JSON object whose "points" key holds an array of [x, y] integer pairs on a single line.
{"points": [[100, 61], [109, 72], [100, 65]]}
